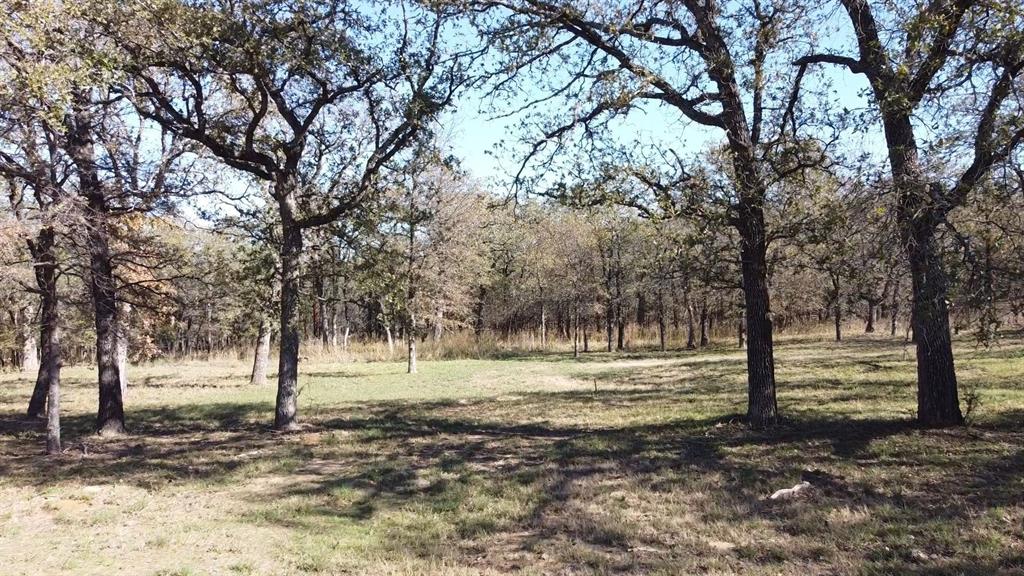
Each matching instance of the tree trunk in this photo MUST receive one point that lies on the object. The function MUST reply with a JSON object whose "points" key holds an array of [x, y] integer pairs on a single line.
{"points": [[691, 342], [586, 336], [704, 323], [29, 348], [286, 409], [110, 413], [838, 315], [895, 308], [576, 332], [123, 312], [870, 326], [762, 408], [48, 377], [543, 326], [49, 368], [609, 323], [661, 327], [938, 402], [262, 357], [410, 337]]}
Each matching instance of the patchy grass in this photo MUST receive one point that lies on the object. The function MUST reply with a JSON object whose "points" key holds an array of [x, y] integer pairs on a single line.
{"points": [[611, 464]]}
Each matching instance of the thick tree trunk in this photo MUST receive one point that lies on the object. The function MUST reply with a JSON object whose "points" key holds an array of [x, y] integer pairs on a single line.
{"points": [[286, 409], [938, 402], [762, 408], [261, 358], [869, 327], [110, 413]]}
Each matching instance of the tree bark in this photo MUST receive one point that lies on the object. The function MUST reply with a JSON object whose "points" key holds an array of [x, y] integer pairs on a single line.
{"points": [[762, 407], [895, 308], [938, 401], [576, 332], [110, 413], [286, 409], [262, 356], [869, 327], [123, 312], [29, 348], [704, 323], [691, 340], [48, 378]]}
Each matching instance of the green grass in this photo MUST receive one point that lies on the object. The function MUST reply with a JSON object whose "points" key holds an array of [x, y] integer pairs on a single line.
{"points": [[610, 464]]}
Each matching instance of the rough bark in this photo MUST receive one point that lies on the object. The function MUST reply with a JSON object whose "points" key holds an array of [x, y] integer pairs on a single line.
{"points": [[286, 409], [261, 358], [937, 395], [762, 408], [110, 413], [48, 378]]}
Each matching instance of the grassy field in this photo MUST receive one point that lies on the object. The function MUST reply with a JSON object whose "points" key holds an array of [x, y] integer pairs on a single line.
{"points": [[611, 464]]}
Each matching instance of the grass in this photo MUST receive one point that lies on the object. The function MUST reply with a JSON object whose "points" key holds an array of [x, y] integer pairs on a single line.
{"points": [[536, 464]]}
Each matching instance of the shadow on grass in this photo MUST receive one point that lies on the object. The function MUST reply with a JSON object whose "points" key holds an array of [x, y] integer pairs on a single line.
{"points": [[531, 480]]}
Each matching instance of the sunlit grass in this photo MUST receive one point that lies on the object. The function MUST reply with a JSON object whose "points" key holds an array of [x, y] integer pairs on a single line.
{"points": [[534, 464]]}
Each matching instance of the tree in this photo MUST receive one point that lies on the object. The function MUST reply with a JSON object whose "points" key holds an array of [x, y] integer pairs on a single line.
{"points": [[712, 64], [927, 60], [313, 99]]}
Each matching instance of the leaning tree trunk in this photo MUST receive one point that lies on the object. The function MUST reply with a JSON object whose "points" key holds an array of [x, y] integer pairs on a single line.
{"points": [[262, 357], [110, 413], [938, 402], [287, 409]]}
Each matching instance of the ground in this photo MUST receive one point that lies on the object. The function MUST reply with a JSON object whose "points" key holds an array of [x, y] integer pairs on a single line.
{"points": [[611, 464]]}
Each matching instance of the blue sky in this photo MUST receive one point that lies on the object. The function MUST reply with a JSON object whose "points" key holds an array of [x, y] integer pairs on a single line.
{"points": [[473, 134]]}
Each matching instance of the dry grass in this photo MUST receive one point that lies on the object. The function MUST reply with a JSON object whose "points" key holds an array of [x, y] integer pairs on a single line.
{"points": [[613, 464]]}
